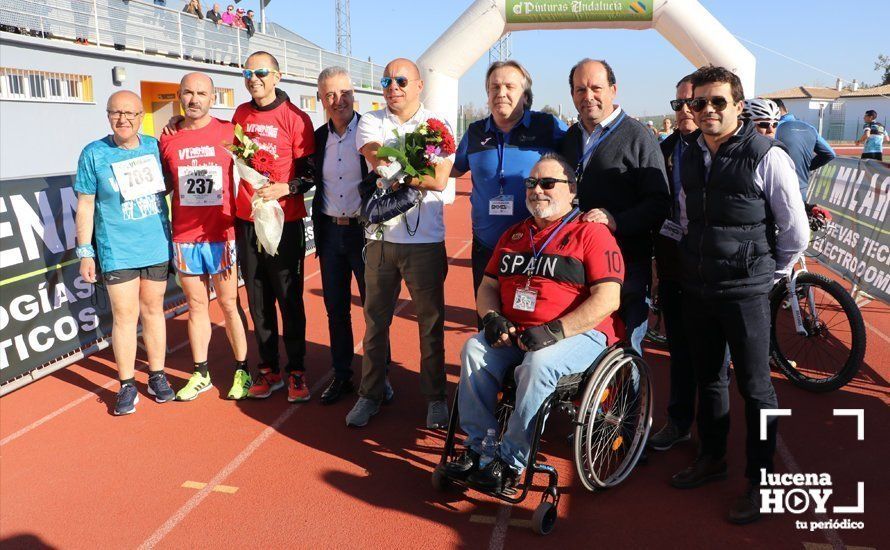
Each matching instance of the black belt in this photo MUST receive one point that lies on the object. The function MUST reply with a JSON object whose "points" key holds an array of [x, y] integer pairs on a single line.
{"points": [[341, 220]]}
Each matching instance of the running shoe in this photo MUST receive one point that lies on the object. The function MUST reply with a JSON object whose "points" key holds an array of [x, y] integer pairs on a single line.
{"points": [[267, 382], [159, 387], [240, 385], [126, 400], [197, 384], [297, 390]]}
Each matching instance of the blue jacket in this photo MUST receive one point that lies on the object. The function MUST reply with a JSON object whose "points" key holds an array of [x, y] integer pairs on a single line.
{"points": [[806, 148]]}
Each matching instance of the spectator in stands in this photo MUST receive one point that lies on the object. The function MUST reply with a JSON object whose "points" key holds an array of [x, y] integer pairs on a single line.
{"points": [[248, 23], [552, 318], [194, 8], [873, 135], [214, 14], [651, 127], [238, 20], [116, 210], [228, 18], [806, 147]]}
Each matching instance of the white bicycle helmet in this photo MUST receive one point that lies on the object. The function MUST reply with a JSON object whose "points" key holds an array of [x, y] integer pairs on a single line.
{"points": [[761, 109]]}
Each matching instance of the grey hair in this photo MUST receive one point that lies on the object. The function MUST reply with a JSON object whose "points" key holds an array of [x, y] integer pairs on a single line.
{"points": [[330, 72], [563, 163], [526, 78]]}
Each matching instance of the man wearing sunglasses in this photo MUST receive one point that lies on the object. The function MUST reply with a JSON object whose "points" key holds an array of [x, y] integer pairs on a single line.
{"points": [[277, 126], [806, 147], [621, 181], [745, 225], [499, 151], [413, 250], [548, 299]]}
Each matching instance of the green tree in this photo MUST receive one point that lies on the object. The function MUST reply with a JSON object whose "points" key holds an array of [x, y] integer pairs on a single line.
{"points": [[883, 65]]}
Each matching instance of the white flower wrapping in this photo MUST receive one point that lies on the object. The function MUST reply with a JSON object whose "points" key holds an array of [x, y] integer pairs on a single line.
{"points": [[389, 175], [268, 217]]}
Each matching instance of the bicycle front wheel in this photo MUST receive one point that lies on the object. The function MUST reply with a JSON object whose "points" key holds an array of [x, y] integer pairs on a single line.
{"points": [[831, 352]]}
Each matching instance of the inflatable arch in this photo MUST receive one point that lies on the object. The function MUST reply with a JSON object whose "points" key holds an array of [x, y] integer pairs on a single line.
{"points": [[684, 23]]}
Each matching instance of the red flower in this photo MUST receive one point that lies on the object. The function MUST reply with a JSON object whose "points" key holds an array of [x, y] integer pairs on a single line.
{"points": [[262, 161], [447, 145], [436, 126]]}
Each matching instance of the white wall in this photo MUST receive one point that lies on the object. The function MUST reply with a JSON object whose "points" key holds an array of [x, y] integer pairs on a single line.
{"points": [[855, 108]]}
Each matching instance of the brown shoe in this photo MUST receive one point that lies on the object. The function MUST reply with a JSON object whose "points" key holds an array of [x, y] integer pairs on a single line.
{"points": [[746, 508], [704, 470]]}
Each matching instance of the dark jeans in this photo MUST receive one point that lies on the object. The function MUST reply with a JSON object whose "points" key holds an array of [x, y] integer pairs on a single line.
{"points": [[745, 325], [634, 310], [874, 156], [479, 258], [681, 407], [340, 257], [423, 267], [270, 279]]}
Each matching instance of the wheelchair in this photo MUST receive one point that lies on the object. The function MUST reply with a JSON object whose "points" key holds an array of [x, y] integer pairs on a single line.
{"points": [[611, 408]]}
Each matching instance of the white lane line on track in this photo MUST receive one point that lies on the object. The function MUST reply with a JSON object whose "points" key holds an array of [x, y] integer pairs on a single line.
{"points": [[880, 334], [264, 436], [97, 389], [832, 536]]}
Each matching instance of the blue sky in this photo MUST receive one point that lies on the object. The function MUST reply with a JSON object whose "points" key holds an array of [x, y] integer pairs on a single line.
{"points": [[840, 38]]}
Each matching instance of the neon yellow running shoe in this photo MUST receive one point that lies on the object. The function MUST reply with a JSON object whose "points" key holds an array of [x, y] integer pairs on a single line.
{"points": [[198, 383], [240, 385]]}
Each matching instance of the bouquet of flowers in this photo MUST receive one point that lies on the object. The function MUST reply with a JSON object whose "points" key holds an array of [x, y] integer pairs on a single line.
{"points": [[254, 165], [414, 155]]}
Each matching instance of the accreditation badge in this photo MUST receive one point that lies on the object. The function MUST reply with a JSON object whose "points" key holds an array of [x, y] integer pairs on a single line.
{"points": [[671, 230], [501, 205], [138, 177], [200, 185], [525, 299]]}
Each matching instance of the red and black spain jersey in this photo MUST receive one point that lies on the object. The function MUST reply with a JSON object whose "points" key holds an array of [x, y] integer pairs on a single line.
{"points": [[580, 256]]}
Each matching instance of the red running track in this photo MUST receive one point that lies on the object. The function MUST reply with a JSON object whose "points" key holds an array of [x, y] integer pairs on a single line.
{"points": [[279, 475]]}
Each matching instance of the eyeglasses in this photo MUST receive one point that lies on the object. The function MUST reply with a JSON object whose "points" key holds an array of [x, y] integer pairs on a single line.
{"points": [[766, 125], [699, 103], [677, 104], [260, 73], [129, 115], [387, 81], [545, 183]]}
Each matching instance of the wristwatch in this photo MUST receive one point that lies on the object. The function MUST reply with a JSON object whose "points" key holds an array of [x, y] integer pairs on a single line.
{"points": [[293, 187]]}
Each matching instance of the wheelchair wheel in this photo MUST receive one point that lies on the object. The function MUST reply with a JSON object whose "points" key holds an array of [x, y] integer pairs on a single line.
{"points": [[613, 420], [544, 518]]}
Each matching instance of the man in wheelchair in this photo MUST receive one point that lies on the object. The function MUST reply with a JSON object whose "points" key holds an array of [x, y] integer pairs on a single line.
{"points": [[548, 302]]}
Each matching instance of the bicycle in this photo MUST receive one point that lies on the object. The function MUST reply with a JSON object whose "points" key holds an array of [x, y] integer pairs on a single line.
{"points": [[817, 340]]}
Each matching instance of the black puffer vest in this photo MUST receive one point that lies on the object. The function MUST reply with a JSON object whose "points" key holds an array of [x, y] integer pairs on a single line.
{"points": [[728, 249]]}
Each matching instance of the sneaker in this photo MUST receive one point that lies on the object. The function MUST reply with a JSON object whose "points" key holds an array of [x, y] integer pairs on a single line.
{"points": [[495, 477], [126, 400], [667, 437], [297, 390], [362, 412], [160, 388], [746, 508], [240, 385], [389, 392], [437, 415], [466, 464], [267, 382], [197, 384]]}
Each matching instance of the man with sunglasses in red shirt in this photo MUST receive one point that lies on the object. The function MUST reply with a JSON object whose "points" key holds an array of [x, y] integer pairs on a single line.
{"points": [[745, 226], [277, 126]]}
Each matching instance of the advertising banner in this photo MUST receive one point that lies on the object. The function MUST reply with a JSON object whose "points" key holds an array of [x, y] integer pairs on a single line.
{"points": [[856, 243], [571, 11]]}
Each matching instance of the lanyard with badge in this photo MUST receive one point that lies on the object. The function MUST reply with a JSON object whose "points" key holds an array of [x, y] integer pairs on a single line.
{"points": [[579, 169], [526, 298], [200, 185], [138, 177], [501, 205], [671, 229]]}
